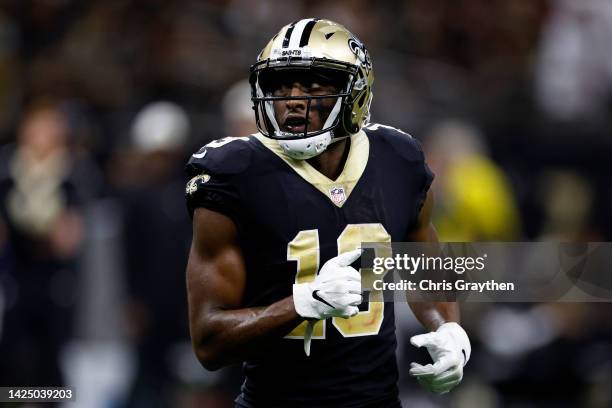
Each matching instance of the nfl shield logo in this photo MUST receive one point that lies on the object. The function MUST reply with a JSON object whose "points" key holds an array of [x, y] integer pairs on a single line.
{"points": [[337, 194]]}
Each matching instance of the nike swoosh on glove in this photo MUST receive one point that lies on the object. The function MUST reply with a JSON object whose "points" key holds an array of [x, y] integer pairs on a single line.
{"points": [[450, 349]]}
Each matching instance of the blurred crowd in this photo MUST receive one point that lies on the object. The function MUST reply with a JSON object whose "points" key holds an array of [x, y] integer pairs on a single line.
{"points": [[102, 101]]}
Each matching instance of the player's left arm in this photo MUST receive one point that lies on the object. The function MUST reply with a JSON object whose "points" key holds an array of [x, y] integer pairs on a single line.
{"points": [[446, 342]]}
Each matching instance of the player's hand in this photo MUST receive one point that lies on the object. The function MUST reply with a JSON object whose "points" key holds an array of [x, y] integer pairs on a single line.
{"points": [[450, 349], [335, 292]]}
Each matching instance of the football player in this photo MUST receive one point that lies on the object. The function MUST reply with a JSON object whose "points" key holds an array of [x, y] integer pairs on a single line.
{"points": [[278, 220]]}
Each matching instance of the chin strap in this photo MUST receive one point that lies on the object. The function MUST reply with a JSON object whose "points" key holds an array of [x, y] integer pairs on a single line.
{"points": [[333, 114], [337, 139], [269, 109]]}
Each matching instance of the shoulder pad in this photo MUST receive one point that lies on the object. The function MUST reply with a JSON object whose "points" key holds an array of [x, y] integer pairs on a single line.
{"points": [[404, 144], [226, 156]]}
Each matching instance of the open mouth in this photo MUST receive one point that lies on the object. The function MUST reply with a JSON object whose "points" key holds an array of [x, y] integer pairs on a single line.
{"points": [[295, 124]]}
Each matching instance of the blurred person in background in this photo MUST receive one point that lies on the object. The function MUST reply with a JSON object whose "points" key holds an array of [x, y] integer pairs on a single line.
{"points": [[156, 232], [475, 201], [41, 205], [574, 66], [237, 110], [567, 199]]}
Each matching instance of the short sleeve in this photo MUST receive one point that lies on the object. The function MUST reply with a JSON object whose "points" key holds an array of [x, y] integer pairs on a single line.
{"points": [[214, 173], [214, 192]]}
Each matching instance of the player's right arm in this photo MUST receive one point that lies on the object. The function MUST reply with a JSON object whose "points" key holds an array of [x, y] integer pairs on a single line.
{"points": [[222, 332]]}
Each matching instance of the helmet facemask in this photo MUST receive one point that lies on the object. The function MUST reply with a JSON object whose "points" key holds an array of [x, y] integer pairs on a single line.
{"points": [[270, 81]]}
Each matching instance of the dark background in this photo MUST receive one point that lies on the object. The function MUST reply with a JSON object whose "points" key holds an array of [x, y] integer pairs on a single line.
{"points": [[511, 99]]}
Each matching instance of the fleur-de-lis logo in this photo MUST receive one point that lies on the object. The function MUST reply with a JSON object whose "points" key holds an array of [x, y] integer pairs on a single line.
{"points": [[361, 52], [192, 185]]}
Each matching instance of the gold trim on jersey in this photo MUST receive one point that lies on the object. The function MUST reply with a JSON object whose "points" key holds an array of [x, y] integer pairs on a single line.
{"points": [[347, 180]]}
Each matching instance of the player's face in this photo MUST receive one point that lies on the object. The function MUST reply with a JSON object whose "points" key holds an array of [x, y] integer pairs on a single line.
{"points": [[291, 113]]}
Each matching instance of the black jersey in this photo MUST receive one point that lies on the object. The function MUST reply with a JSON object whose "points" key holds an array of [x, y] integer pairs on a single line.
{"points": [[291, 219]]}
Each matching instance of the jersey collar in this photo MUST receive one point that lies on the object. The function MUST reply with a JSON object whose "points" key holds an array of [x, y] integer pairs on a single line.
{"points": [[339, 190]]}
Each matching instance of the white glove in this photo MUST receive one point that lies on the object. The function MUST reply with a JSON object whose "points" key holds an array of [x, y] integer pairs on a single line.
{"points": [[335, 292], [450, 349]]}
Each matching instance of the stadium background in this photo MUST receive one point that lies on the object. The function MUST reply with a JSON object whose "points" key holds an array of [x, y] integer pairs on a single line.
{"points": [[512, 100]]}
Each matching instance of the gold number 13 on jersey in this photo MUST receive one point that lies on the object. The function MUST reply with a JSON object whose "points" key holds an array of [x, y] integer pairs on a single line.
{"points": [[304, 249]]}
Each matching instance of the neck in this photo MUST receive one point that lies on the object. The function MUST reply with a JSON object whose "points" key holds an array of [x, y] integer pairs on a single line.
{"points": [[331, 162]]}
